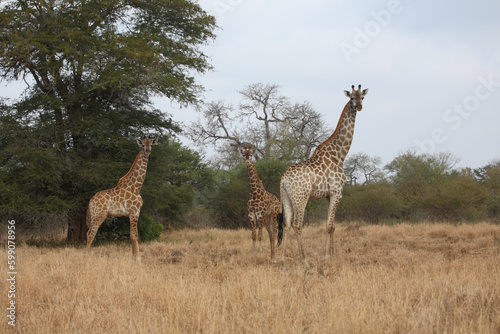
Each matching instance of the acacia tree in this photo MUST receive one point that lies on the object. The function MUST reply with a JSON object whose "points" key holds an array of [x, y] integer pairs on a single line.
{"points": [[278, 129], [417, 176], [91, 67], [360, 168], [264, 104], [489, 176]]}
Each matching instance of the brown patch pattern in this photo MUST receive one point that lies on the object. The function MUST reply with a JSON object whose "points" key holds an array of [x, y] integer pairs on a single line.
{"points": [[263, 207], [123, 200], [321, 176]]}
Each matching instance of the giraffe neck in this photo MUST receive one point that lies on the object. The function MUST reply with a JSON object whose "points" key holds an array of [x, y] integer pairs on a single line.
{"points": [[253, 178], [134, 179], [337, 146]]}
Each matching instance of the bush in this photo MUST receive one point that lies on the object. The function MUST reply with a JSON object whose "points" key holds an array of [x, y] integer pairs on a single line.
{"points": [[228, 200], [458, 198], [149, 229], [119, 229], [493, 185], [270, 172], [371, 203]]}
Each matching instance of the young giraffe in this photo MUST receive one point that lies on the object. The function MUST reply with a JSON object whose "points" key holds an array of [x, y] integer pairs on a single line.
{"points": [[122, 200], [263, 207], [321, 176]]}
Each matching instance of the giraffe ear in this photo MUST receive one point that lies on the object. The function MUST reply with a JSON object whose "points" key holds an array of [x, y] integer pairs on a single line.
{"points": [[154, 141], [347, 93], [139, 142], [365, 91]]}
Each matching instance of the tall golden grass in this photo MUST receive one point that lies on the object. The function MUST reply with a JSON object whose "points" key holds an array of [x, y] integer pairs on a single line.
{"points": [[424, 278]]}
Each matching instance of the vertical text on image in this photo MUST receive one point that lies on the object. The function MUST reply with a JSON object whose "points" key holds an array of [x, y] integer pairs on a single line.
{"points": [[11, 272]]}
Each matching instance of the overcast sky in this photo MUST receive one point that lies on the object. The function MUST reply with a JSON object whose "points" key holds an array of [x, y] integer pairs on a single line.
{"points": [[432, 68]]}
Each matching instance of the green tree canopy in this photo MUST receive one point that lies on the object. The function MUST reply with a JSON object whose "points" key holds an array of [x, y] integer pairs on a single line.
{"points": [[91, 69], [414, 173]]}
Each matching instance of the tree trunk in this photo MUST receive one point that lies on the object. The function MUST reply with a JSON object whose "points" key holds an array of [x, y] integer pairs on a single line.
{"points": [[77, 227]]}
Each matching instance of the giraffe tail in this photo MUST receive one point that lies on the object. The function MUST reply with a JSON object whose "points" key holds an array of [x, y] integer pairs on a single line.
{"points": [[280, 227]]}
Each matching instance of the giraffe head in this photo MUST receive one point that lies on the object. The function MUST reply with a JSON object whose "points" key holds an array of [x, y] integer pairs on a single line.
{"points": [[247, 150], [356, 96], [146, 144]]}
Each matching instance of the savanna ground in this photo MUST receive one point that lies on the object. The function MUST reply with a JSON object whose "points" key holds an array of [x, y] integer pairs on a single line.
{"points": [[423, 278]]}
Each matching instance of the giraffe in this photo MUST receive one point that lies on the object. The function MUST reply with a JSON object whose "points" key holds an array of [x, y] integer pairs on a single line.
{"points": [[263, 207], [122, 200], [321, 176]]}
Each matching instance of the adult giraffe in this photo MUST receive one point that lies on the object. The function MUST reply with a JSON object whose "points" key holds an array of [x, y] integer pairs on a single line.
{"points": [[263, 207], [123, 200], [321, 176]]}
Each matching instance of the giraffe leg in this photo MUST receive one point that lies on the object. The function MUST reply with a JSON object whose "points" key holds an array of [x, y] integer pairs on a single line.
{"points": [[260, 221], [134, 235], [330, 227], [298, 231], [94, 223], [272, 235], [298, 220], [253, 222], [287, 223]]}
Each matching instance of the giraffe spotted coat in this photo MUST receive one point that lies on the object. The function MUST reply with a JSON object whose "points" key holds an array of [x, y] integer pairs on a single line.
{"points": [[263, 207], [123, 200], [321, 176]]}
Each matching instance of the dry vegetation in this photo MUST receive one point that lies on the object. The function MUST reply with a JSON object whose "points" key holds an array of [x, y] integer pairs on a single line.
{"points": [[425, 278]]}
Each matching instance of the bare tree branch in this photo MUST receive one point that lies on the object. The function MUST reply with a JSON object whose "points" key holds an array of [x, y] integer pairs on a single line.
{"points": [[361, 165], [277, 128], [216, 125]]}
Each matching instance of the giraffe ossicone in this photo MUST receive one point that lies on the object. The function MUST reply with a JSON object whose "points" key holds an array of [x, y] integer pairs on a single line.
{"points": [[321, 176], [263, 207], [124, 200]]}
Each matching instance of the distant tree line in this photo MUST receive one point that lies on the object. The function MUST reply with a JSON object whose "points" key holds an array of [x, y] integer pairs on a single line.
{"points": [[413, 187], [416, 187]]}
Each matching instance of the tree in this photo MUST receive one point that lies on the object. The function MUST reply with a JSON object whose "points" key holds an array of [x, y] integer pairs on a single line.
{"points": [[303, 131], [413, 173], [91, 67], [456, 198], [372, 203], [426, 166], [263, 103], [489, 176], [493, 186], [362, 167], [276, 127]]}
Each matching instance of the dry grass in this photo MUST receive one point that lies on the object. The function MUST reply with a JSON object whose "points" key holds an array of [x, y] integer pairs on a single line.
{"points": [[421, 278]]}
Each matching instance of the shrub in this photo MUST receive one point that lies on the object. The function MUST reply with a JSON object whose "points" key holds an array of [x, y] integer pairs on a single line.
{"points": [[371, 203], [458, 198], [149, 229], [119, 229]]}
